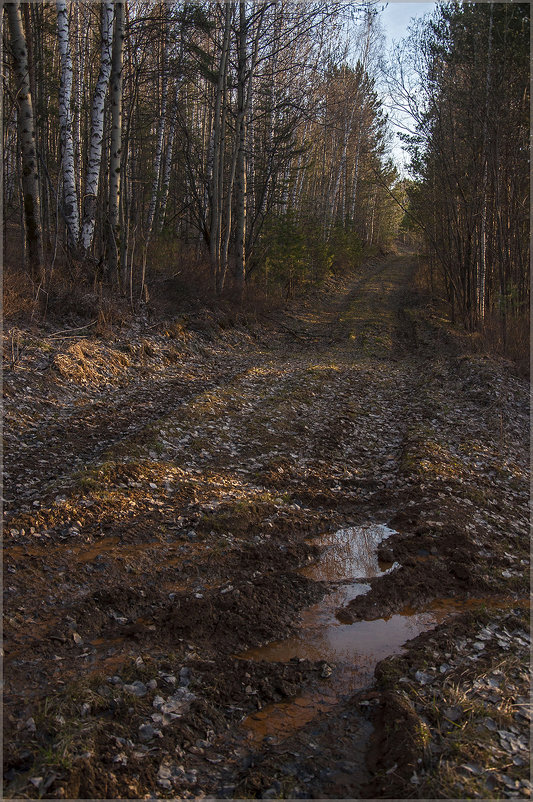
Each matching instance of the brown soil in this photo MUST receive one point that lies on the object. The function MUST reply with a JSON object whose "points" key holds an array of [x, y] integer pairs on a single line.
{"points": [[162, 489]]}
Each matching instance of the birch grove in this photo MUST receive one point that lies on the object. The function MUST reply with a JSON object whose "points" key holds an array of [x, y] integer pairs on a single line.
{"points": [[193, 121], [246, 134]]}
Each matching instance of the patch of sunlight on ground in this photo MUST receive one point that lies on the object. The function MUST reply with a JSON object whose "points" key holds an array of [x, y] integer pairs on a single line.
{"points": [[323, 367]]}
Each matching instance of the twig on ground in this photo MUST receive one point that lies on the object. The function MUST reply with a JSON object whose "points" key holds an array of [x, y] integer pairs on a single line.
{"points": [[78, 328]]}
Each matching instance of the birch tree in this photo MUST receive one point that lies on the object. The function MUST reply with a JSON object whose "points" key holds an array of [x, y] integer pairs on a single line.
{"points": [[65, 122], [80, 36], [245, 84], [97, 128], [217, 117]]}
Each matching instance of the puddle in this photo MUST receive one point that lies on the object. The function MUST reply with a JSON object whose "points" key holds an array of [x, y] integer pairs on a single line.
{"points": [[352, 650], [348, 554], [349, 557]]}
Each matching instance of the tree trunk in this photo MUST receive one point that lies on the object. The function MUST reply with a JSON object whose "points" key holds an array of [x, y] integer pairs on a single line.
{"points": [[250, 167], [218, 150], [240, 234], [356, 166], [116, 143], [165, 181], [160, 128], [342, 166], [167, 165], [26, 129], [97, 129], [79, 64], [65, 122], [482, 274]]}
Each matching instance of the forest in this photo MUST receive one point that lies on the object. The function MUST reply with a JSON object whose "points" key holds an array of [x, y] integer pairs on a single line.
{"points": [[240, 137], [266, 471], [249, 142], [470, 155]]}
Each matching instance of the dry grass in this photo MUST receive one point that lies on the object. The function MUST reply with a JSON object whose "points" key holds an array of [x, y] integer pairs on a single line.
{"points": [[509, 338], [505, 337], [18, 296], [86, 362], [178, 281]]}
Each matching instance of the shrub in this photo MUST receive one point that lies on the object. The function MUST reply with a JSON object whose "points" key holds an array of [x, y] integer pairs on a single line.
{"points": [[298, 252]]}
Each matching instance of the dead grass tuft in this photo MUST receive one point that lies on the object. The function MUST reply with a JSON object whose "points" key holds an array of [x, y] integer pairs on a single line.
{"points": [[89, 362]]}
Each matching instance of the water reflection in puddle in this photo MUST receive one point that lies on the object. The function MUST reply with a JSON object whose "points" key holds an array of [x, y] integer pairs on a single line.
{"points": [[349, 557], [349, 553], [354, 647]]}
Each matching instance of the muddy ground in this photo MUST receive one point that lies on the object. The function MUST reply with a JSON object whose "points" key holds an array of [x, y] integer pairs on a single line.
{"points": [[162, 490]]}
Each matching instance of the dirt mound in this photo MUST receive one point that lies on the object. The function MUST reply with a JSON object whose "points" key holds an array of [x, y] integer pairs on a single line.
{"points": [[398, 740], [234, 618]]}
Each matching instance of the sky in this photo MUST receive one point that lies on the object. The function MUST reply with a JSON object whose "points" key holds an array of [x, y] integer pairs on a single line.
{"points": [[395, 21], [396, 16]]}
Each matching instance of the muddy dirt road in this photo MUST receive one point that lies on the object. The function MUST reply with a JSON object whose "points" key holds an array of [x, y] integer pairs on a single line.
{"points": [[214, 540]]}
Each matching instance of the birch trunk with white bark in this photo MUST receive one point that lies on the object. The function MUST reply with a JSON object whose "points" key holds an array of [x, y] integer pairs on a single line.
{"points": [[244, 202], [97, 129], [78, 67], [70, 194]]}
